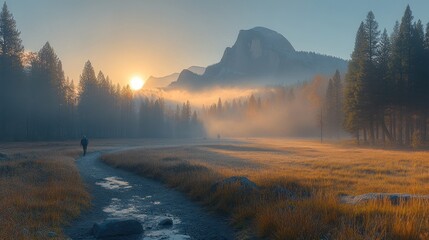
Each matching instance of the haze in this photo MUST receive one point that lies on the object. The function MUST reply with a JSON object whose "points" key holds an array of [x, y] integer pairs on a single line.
{"points": [[274, 119], [125, 38]]}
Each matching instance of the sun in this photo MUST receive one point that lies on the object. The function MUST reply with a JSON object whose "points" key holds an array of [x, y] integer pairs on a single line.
{"points": [[136, 83]]}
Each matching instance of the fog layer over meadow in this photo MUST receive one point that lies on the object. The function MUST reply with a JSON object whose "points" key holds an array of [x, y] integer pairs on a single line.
{"points": [[244, 112]]}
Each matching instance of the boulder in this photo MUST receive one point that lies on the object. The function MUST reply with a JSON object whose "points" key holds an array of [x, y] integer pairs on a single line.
{"points": [[244, 182], [394, 198], [112, 227], [166, 222]]}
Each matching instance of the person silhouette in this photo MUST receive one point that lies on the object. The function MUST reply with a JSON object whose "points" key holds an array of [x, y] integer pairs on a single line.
{"points": [[84, 143]]}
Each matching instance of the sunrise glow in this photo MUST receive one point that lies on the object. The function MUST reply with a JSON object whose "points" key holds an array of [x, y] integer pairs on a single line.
{"points": [[136, 83]]}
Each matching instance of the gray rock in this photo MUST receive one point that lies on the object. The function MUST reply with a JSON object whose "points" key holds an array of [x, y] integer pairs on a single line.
{"points": [[244, 182], [117, 227], [166, 222], [394, 198]]}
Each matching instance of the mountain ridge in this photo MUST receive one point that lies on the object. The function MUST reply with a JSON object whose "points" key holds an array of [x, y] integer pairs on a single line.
{"points": [[261, 56], [161, 82]]}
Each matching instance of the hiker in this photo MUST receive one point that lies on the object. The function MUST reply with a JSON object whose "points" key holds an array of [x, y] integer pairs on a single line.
{"points": [[84, 143]]}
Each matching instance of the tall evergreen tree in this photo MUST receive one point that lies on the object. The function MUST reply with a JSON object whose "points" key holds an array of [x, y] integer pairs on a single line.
{"points": [[128, 118], [11, 48], [353, 107], [363, 102], [12, 94], [370, 80], [372, 36], [427, 37], [327, 123], [87, 100], [419, 84], [334, 106], [385, 87], [338, 103], [48, 95], [402, 55]]}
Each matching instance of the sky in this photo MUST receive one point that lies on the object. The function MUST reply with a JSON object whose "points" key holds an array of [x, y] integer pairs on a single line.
{"points": [[124, 38]]}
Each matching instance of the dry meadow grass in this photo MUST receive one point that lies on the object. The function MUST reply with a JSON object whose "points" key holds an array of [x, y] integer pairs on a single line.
{"points": [[316, 175], [40, 189]]}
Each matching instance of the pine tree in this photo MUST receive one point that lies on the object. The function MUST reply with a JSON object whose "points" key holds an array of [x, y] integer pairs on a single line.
{"points": [[186, 112], [11, 48], [362, 93], [48, 95], [353, 109], [427, 38], [385, 86], [417, 68], [372, 36], [329, 110], [219, 107], [338, 103], [87, 100], [419, 83], [333, 107], [370, 80], [71, 113], [128, 120], [402, 54], [425, 66], [12, 90]]}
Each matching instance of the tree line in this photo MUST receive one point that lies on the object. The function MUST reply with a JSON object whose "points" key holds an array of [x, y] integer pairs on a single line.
{"points": [[387, 83], [332, 114], [37, 101]]}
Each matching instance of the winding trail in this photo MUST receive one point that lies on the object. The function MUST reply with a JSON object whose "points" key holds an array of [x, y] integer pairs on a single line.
{"points": [[117, 193]]}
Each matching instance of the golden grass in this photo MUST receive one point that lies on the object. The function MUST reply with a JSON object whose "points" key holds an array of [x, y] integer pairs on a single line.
{"points": [[40, 186], [316, 174], [40, 190]]}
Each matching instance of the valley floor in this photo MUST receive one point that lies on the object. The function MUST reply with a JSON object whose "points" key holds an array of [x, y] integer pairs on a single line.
{"points": [[300, 182]]}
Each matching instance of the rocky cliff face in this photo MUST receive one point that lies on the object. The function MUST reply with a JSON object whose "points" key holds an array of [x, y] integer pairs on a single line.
{"points": [[261, 56]]}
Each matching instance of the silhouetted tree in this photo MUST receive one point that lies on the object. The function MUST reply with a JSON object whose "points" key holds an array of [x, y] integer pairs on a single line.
{"points": [[87, 105], [12, 91], [48, 95], [354, 97], [333, 106]]}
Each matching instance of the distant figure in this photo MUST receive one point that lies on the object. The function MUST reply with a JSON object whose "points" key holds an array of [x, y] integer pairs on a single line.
{"points": [[84, 143], [218, 136]]}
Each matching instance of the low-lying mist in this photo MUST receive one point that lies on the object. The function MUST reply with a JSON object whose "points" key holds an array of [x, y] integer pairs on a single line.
{"points": [[197, 99], [246, 112]]}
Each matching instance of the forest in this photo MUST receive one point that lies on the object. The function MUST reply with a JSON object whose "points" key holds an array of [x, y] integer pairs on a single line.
{"points": [[386, 96], [37, 101]]}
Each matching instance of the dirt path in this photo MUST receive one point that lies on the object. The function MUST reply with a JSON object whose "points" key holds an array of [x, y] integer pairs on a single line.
{"points": [[117, 193]]}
